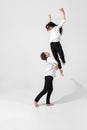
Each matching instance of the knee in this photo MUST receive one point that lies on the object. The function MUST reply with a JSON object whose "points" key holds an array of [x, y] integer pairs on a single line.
{"points": [[44, 90], [51, 90]]}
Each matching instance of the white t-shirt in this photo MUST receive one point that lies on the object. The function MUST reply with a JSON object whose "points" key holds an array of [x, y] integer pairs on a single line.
{"points": [[55, 35], [50, 71]]}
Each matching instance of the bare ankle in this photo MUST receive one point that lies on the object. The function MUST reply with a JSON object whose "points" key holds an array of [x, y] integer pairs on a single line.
{"points": [[36, 104], [61, 72], [49, 104]]}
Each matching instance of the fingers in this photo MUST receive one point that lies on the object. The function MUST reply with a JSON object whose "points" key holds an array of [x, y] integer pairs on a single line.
{"points": [[49, 16], [56, 67], [61, 9]]}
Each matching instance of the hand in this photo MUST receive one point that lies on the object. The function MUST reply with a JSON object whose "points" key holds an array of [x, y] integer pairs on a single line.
{"points": [[56, 67], [49, 16], [61, 72], [61, 9]]}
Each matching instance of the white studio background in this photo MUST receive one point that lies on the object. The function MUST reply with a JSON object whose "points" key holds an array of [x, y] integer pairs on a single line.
{"points": [[23, 37]]}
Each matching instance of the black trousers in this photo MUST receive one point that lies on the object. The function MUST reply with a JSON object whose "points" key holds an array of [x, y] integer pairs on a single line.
{"points": [[48, 88], [57, 51]]}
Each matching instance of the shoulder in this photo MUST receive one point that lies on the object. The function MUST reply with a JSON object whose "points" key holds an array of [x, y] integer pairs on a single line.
{"points": [[49, 59], [56, 27]]}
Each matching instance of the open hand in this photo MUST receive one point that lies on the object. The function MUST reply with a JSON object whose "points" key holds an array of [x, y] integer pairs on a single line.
{"points": [[61, 9], [56, 67], [49, 16]]}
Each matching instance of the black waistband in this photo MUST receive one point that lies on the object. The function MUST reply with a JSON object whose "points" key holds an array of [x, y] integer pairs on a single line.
{"points": [[55, 42], [48, 77]]}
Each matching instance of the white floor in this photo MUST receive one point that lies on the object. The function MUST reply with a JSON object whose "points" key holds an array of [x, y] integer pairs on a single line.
{"points": [[17, 111]]}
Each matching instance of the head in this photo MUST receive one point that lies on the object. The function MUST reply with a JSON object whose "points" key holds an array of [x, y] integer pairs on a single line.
{"points": [[44, 55], [50, 26]]}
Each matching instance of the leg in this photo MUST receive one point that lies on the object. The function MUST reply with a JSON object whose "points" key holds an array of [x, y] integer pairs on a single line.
{"points": [[48, 96], [60, 51], [43, 92], [50, 89], [54, 52]]}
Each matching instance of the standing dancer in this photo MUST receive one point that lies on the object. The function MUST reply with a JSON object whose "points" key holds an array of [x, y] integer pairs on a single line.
{"points": [[50, 73], [55, 37]]}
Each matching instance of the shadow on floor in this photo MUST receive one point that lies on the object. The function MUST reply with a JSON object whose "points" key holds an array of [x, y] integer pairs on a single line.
{"points": [[80, 92]]}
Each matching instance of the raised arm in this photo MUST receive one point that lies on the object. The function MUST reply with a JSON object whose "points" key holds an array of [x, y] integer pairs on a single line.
{"points": [[63, 12], [49, 17]]}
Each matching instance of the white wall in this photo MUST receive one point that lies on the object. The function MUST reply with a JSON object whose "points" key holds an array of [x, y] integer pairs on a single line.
{"points": [[23, 37]]}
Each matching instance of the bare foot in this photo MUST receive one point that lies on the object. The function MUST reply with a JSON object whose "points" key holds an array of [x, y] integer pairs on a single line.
{"points": [[61, 72], [50, 104], [36, 104]]}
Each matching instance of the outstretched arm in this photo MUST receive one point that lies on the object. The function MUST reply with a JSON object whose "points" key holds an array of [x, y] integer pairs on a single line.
{"points": [[63, 12]]}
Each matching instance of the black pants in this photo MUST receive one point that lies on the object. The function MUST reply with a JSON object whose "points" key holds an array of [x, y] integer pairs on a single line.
{"points": [[48, 88], [57, 51]]}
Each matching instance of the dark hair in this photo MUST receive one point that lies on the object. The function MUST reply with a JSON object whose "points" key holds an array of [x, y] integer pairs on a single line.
{"points": [[51, 24], [43, 56]]}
